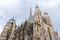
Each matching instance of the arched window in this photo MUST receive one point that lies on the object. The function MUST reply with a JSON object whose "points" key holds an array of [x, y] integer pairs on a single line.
{"points": [[11, 24], [39, 20], [44, 38], [38, 13], [37, 28]]}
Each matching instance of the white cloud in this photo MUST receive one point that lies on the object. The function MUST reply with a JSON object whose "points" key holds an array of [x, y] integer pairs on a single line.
{"points": [[50, 3], [2, 14], [8, 3]]}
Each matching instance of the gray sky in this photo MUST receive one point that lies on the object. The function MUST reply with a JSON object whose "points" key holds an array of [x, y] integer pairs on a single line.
{"points": [[20, 10]]}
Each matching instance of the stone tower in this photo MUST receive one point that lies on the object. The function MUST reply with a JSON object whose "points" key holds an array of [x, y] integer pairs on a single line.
{"points": [[37, 24], [11, 25], [12, 35], [36, 27], [48, 27], [38, 15]]}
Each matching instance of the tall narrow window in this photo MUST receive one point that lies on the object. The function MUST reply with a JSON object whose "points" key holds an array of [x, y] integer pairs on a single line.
{"points": [[49, 34], [37, 29], [44, 38], [38, 17], [38, 13], [11, 24], [39, 20]]}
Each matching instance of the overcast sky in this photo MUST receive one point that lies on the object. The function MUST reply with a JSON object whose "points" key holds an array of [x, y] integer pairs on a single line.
{"points": [[20, 10]]}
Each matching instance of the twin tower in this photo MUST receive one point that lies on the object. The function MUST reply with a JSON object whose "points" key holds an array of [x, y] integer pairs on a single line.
{"points": [[37, 27]]}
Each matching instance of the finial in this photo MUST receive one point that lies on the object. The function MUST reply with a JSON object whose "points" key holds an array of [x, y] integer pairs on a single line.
{"points": [[13, 17], [45, 12], [37, 4]]}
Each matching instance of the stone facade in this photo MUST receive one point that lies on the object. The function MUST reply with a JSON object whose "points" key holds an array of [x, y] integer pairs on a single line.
{"points": [[37, 27]]}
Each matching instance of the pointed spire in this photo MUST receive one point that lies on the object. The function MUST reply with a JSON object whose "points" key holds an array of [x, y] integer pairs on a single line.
{"points": [[30, 12]]}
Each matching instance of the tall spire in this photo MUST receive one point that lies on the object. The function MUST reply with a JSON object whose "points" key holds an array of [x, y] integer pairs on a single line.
{"points": [[30, 12]]}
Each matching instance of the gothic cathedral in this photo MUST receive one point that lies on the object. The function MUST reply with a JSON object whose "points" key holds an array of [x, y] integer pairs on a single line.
{"points": [[37, 27]]}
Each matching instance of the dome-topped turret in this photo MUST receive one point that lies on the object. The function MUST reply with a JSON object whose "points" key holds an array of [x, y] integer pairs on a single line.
{"points": [[47, 18], [37, 6], [12, 20]]}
